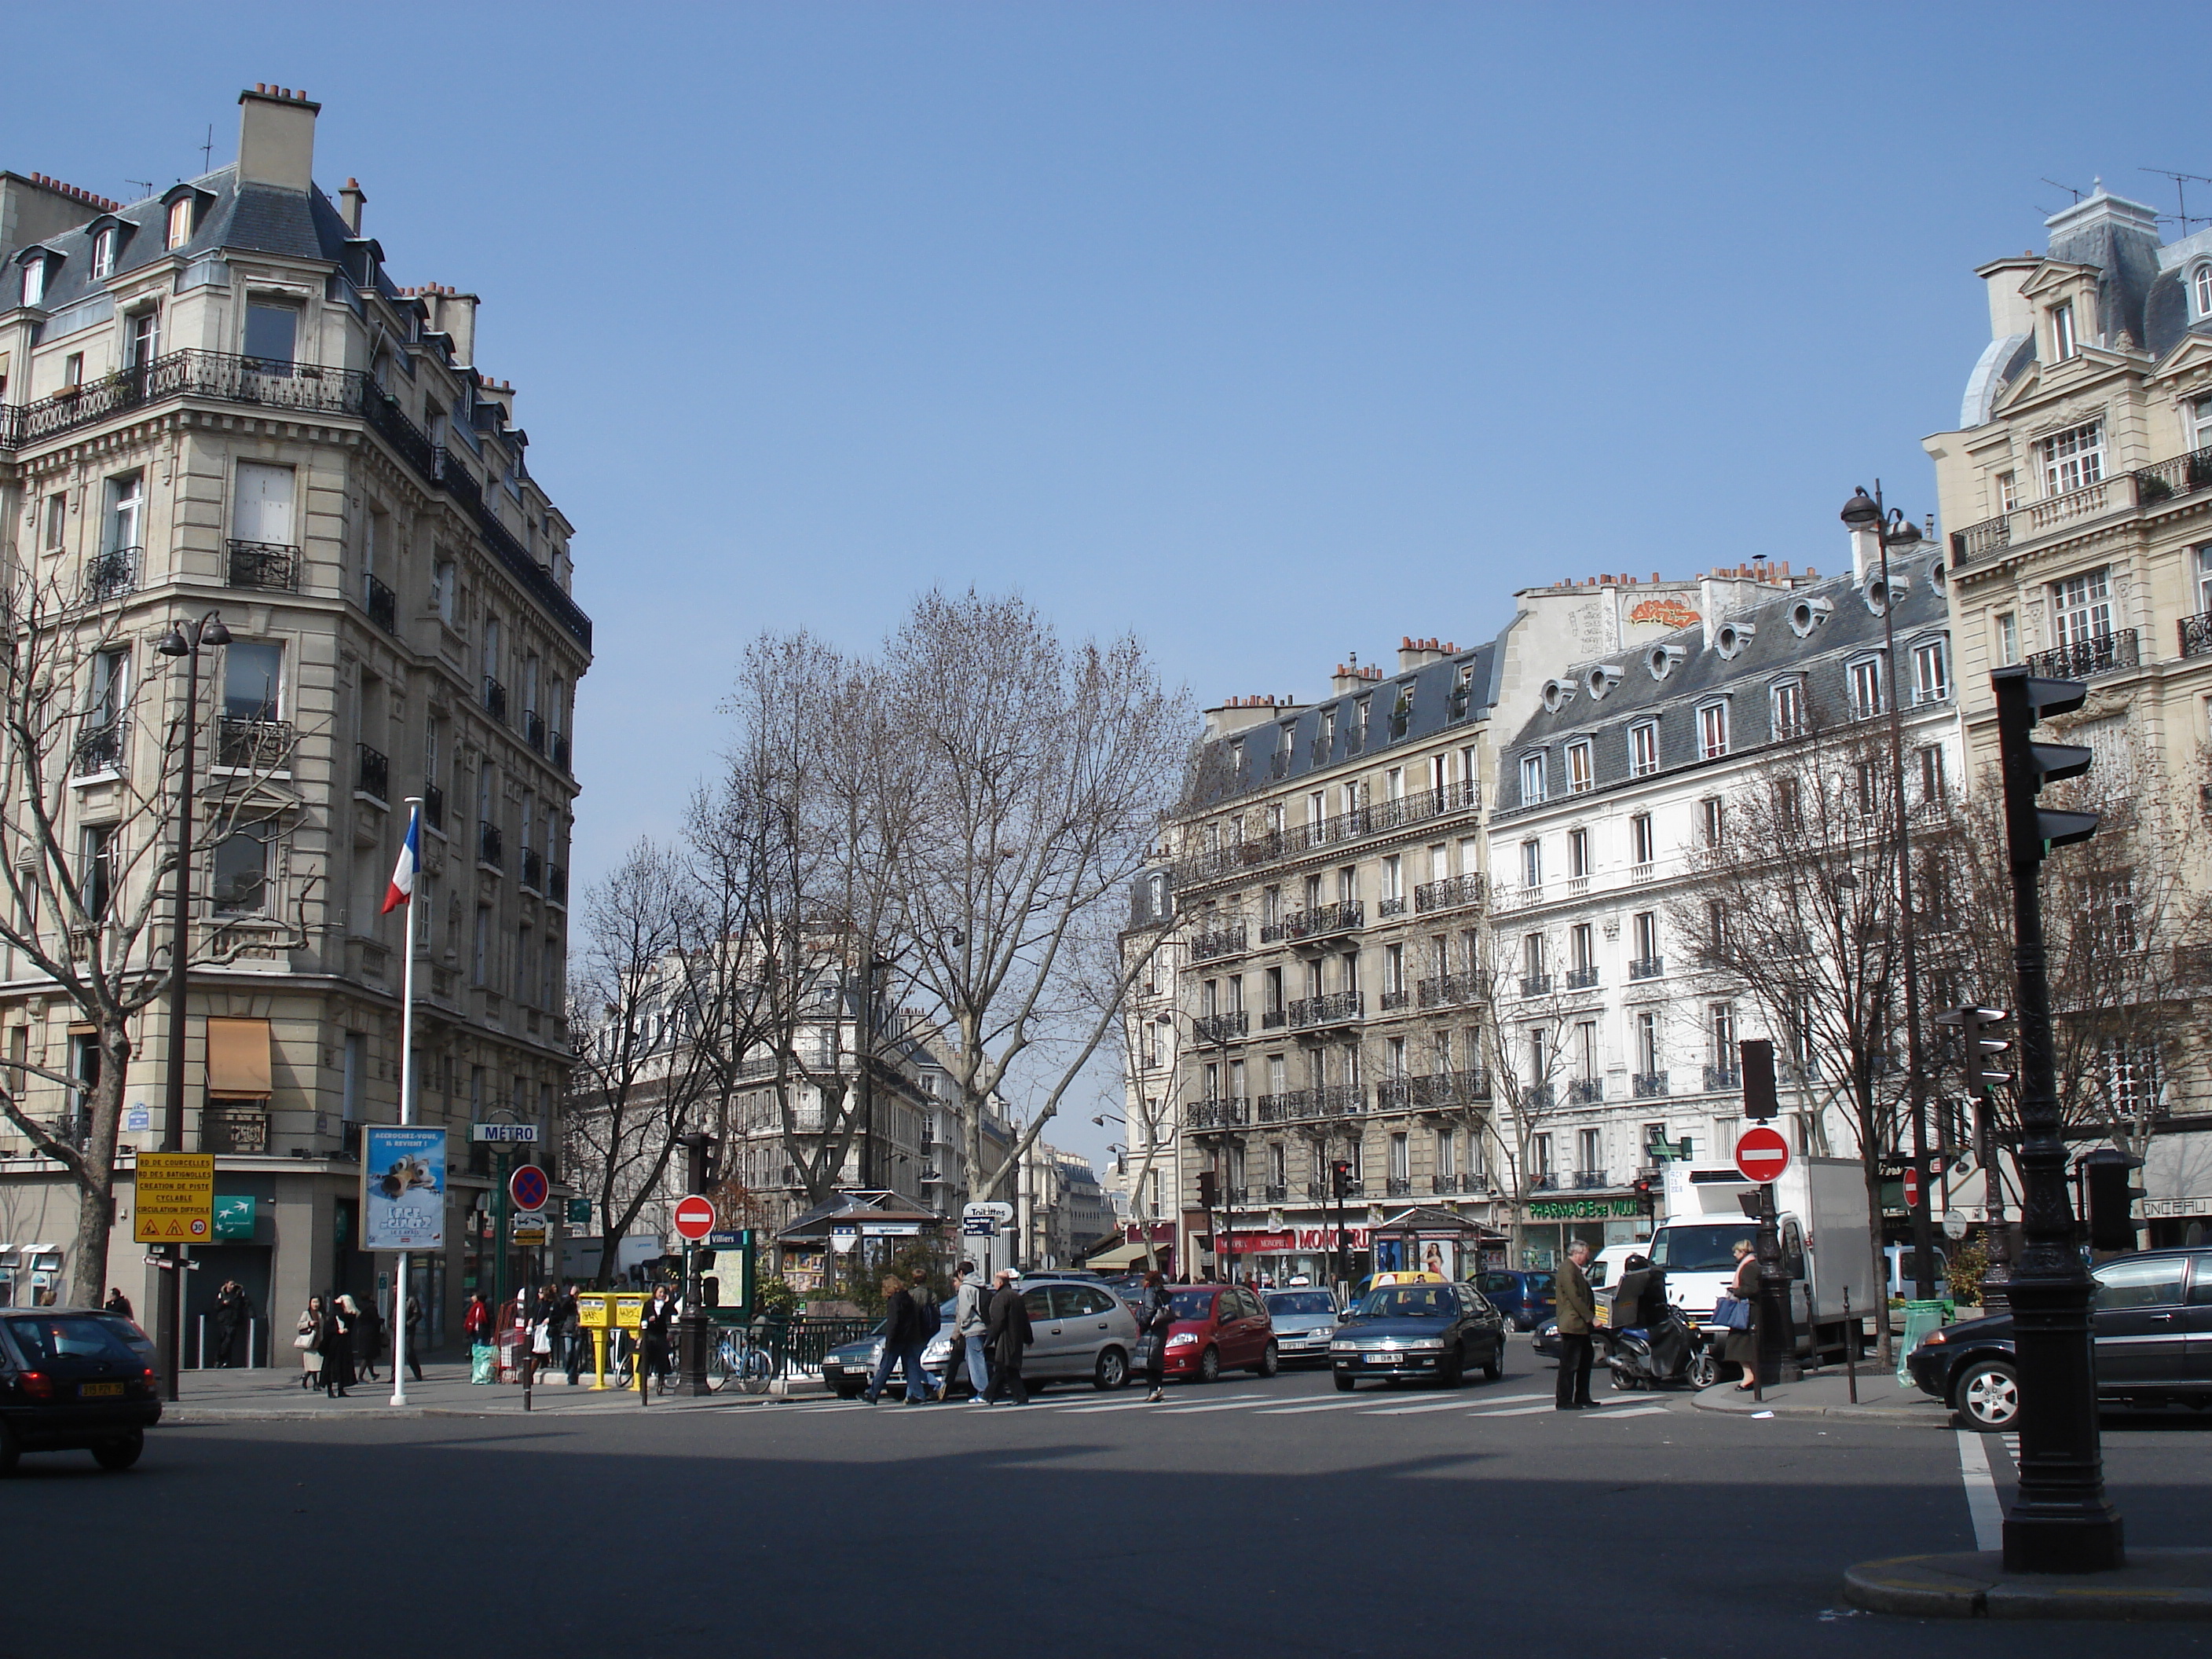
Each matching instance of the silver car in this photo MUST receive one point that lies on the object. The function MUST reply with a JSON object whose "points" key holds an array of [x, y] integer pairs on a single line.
{"points": [[1304, 1321], [1078, 1329]]}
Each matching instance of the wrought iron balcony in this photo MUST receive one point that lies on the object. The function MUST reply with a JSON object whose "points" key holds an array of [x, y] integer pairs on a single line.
{"points": [[1380, 817], [1324, 920], [1646, 967], [1589, 1180], [1585, 1091], [1720, 1078], [433, 806], [560, 751], [1583, 978], [495, 699], [1339, 1100], [1271, 1019], [382, 606], [1276, 1192], [2102, 654], [1444, 990], [1387, 907], [2180, 476], [533, 729], [100, 749], [1334, 1009], [1544, 1182], [1394, 1000], [1398, 1187], [1324, 1192], [373, 774], [268, 565], [1224, 941], [1535, 985], [1285, 1108], [1451, 893], [557, 884], [1220, 1115], [1218, 1028], [253, 744], [1536, 1097], [1443, 1185], [533, 869], [2196, 634], [490, 847], [112, 575], [1432, 1089], [1649, 1086]]}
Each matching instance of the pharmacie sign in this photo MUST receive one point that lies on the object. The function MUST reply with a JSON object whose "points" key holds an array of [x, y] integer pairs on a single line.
{"points": [[1584, 1209]]}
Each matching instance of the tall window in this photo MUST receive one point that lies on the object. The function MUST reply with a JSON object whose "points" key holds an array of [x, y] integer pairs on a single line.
{"points": [[1931, 672], [1578, 862], [1590, 1152], [1647, 1042], [2008, 638], [34, 283], [1532, 864], [1647, 936], [111, 689], [2084, 607], [126, 512], [179, 230], [1866, 689], [1580, 777], [1583, 943], [1642, 843], [2008, 491], [103, 253], [480, 947], [1644, 748], [2073, 459], [241, 875], [1712, 730], [2203, 286], [2204, 573], [273, 336], [1789, 709], [1531, 779], [2200, 415], [1712, 819], [252, 680], [95, 869], [1932, 791], [1715, 929], [145, 343], [2063, 344], [1720, 1026]]}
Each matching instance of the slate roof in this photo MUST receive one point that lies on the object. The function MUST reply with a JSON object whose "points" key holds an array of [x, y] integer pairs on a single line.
{"points": [[1774, 652]]}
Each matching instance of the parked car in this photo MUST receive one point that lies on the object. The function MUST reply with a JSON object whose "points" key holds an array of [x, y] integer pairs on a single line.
{"points": [[1435, 1332], [1304, 1321], [75, 1379], [1546, 1341], [2152, 1322], [847, 1368], [1523, 1296], [1217, 1328]]}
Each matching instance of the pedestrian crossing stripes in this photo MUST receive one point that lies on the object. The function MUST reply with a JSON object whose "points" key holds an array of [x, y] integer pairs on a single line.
{"points": [[1275, 1405]]}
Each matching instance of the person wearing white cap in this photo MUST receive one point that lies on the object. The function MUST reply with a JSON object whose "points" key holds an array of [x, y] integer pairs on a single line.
{"points": [[1008, 1335]]}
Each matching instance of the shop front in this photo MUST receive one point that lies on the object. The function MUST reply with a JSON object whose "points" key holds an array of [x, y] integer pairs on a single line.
{"points": [[1425, 1239], [1554, 1224], [1283, 1255]]}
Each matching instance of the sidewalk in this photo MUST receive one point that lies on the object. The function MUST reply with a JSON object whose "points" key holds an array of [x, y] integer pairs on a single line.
{"points": [[1826, 1394], [275, 1396]]}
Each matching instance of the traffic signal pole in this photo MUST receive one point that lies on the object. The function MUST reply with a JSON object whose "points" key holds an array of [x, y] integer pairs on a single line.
{"points": [[2061, 1520]]}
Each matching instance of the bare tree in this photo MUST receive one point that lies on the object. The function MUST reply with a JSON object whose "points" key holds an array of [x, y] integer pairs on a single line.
{"points": [[1527, 1058], [92, 727], [1040, 773]]}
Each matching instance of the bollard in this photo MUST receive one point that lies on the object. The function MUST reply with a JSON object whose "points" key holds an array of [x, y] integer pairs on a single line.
{"points": [[1850, 1347], [600, 1360]]}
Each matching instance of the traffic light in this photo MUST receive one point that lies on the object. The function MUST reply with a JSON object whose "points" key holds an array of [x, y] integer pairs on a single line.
{"points": [[1979, 1048], [1647, 1199], [1342, 1171], [1208, 1184], [1756, 1056], [2106, 1173], [2023, 700]]}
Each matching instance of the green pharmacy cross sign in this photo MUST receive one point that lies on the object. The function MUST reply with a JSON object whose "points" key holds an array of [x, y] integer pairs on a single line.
{"points": [[1583, 1209]]}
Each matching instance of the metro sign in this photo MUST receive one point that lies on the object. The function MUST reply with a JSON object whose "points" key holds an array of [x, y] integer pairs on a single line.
{"points": [[1761, 1155]]}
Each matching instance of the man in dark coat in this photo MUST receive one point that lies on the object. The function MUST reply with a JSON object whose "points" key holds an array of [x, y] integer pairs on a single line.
{"points": [[1577, 1306], [903, 1345], [1006, 1335], [233, 1310]]}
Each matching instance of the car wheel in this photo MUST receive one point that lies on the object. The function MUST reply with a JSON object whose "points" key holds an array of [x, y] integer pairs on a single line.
{"points": [[1987, 1397], [1113, 1372], [1494, 1367], [1209, 1364], [1452, 1373], [1345, 1385], [10, 1450], [1270, 1362], [120, 1453]]}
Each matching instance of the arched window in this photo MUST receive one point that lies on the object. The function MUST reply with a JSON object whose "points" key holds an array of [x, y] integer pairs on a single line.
{"points": [[2204, 290]]}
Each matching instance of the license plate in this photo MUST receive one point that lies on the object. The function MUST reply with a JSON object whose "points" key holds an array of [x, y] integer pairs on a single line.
{"points": [[99, 1390], [1382, 1358]]}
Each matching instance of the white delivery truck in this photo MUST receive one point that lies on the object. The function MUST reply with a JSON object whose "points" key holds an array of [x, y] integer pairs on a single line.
{"points": [[1825, 1247]]}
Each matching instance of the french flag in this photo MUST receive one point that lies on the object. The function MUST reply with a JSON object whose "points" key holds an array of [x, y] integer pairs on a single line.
{"points": [[402, 891]]}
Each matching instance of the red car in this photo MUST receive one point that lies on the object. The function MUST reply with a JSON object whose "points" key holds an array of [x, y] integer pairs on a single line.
{"points": [[1219, 1327]]}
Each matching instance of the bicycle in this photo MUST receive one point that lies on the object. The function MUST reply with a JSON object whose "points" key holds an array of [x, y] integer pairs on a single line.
{"points": [[738, 1358]]}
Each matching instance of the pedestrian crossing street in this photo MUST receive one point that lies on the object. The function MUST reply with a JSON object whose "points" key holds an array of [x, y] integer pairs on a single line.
{"points": [[1259, 1404]]}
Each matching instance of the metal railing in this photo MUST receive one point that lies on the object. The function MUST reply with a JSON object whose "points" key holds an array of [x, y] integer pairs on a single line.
{"points": [[1228, 941], [1589, 1180], [1387, 907], [491, 847], [1444, 990], [2179, 475], [1218, 1028], [1285, 1108], [2196, 634], [1393, 1000], [557, 884], [1323, 920], [1378, 818], [1398, 1187], [111, 574], [1330, 1010], [1585, 1091], [1720, 1078], [101, 748], [1271, 1019], [1649, 1086], [533, 869], [2102, 654], [373, 774], [1220, 1115], [495, 699], [382, 606], [1583, 978], [533, 729], [1646, 967], [1450, 893], [1276, 1192], [252, 744], [433, 806], [271, 565], [1535, 985], [1432, 1089], [560, 751]]}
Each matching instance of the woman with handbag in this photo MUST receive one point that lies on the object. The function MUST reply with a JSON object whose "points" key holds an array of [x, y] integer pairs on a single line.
{"points": [[1742, 1347], [1155, 1313], [307, 1337]]}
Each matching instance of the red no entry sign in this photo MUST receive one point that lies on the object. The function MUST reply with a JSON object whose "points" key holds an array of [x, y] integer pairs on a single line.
{"points": [[695, 1218], [1911, 1189], [1762, 1155], [527, 1187]]}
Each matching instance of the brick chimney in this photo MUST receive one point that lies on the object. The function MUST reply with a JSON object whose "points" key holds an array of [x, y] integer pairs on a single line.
{"points": [[1418, 653], [276, 138], [1354, 678], [349, 205]]}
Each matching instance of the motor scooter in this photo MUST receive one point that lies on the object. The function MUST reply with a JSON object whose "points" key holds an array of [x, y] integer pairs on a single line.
{"points": [[1666, 1353]]}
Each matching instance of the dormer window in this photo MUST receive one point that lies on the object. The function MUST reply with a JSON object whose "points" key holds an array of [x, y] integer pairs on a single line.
{"points": [[1713, 731], [1730, 638], [2202, 287], [1806, 615], [179, 227], [1582, 772], [34, 279], [1867, 700], [1531, 779], [1643, 749], [1789, 709], [103, 253], [2074, 458], [2063, 345]]}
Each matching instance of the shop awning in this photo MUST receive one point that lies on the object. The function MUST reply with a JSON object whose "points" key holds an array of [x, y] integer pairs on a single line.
{"points": [[238, 1060], [1127, 1256]]}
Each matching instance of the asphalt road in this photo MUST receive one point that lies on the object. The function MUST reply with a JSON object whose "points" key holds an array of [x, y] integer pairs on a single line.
{"points": [[1251, 1517]]}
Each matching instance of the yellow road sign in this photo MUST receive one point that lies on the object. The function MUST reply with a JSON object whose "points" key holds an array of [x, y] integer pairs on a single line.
{"points": [[173, 1203], [527, 1236]]}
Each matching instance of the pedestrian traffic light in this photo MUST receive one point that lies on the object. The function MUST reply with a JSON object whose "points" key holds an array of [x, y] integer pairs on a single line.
{"points": [[1647, 1199], [1756, 1057], [2107, 1174], [2022, 702], [1979, 1048], [1207, 1186], [1341, 1169]]}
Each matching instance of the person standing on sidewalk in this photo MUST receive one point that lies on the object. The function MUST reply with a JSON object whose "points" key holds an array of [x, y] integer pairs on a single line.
{"points": [[308, 1340], [338, 1348], [368, 1336], [903, 1344], [1742, 1345], [1009, 1334], [414, 1343], [971, 1318], [1155, 1315], [234, 1311], [929, 1320], [1577, 1311]]}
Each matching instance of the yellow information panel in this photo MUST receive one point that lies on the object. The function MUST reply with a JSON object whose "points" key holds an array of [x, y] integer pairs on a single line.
{"points": [[592, 1310], [174, 1201], [629, 1308]]}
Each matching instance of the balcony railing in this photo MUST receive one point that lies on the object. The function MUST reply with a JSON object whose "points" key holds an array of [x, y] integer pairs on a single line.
{"points": [[1585, 1091], [2081, 503], [1589, 1180], [1227, 941], [1387, 907], [533, 729], [1400, 1094], [1649, 1086], [557, 884], [1536, 1097], [1220, 1115], [252, 744], [1271, 1019], [1275, 846], [1276, 1192], [1443, 1185], [2180, 476], [1721, 1077], [2196, 634], [1535, 985], [560, 751], [373, 774], [100, 749], [495, 699], [1581, 978], [533, 869], [1444, 990], [1979, 541], [1286, 1108], [1322, 1191], [1324, 920], [2103, 654], [268, 565], [1218, 1028], [1646, 967], [1451, 893], [433, 806], [1395, 999], [112, 575], [1334, 1009], [224, 378], [1398, 1187], [491, 847], [382, 606], [1339, 1100], [234, 1128], [1543, 1182]]}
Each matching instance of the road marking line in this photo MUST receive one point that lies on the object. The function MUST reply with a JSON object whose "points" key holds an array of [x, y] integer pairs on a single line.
{"points": [[1640, 1411], [1981, 1492], [1138, 1405], [1318, 1405], [1459, 1405], [1529, 1411]]}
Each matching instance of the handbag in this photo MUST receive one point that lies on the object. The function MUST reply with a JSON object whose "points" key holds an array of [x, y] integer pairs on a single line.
{"points": [[305, 1339], [1731, 1315], [1148, 1346]]}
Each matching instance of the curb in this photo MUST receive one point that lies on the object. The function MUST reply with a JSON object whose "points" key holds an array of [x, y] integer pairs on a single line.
{"points": [[2165, 1585], [1929, 1415]]}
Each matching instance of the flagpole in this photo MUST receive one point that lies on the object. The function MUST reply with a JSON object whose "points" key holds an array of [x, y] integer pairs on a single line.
{"points": [[406, 1094]]}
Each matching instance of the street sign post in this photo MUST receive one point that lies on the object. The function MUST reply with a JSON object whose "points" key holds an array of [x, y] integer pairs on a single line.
{"points": [[1761, 1155], [695, 1218], [173, 1200], [505, 1135], [529, 1188]]}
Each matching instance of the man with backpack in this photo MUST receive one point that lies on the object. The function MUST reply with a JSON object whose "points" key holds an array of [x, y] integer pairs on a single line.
{"points": [[971, 1318], [929, 1320]]}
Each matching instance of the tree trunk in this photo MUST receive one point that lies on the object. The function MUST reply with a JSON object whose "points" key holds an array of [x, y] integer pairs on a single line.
{"points": [[1871, 1168], [95, 1216]]}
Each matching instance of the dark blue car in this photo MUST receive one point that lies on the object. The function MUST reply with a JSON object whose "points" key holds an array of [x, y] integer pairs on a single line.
{"points": [[1524, 1297]]}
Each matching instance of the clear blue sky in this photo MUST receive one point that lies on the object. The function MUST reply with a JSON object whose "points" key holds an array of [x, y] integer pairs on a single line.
{"points": [[1274, 330]]}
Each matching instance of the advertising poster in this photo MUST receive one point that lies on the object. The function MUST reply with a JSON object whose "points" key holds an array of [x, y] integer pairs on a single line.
{"points": [[402, 1179]]}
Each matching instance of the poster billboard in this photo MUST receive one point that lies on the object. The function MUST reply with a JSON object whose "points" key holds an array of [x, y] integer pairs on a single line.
{"points": [[403, 1181]]}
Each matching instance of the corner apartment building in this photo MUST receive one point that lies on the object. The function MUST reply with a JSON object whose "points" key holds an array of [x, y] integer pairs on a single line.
{"points": [[1626, 767], [217, 400], [2081, 471]]}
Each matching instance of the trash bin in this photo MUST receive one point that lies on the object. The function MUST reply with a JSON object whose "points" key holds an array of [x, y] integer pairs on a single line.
{"points": [[1920, 1319]]}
